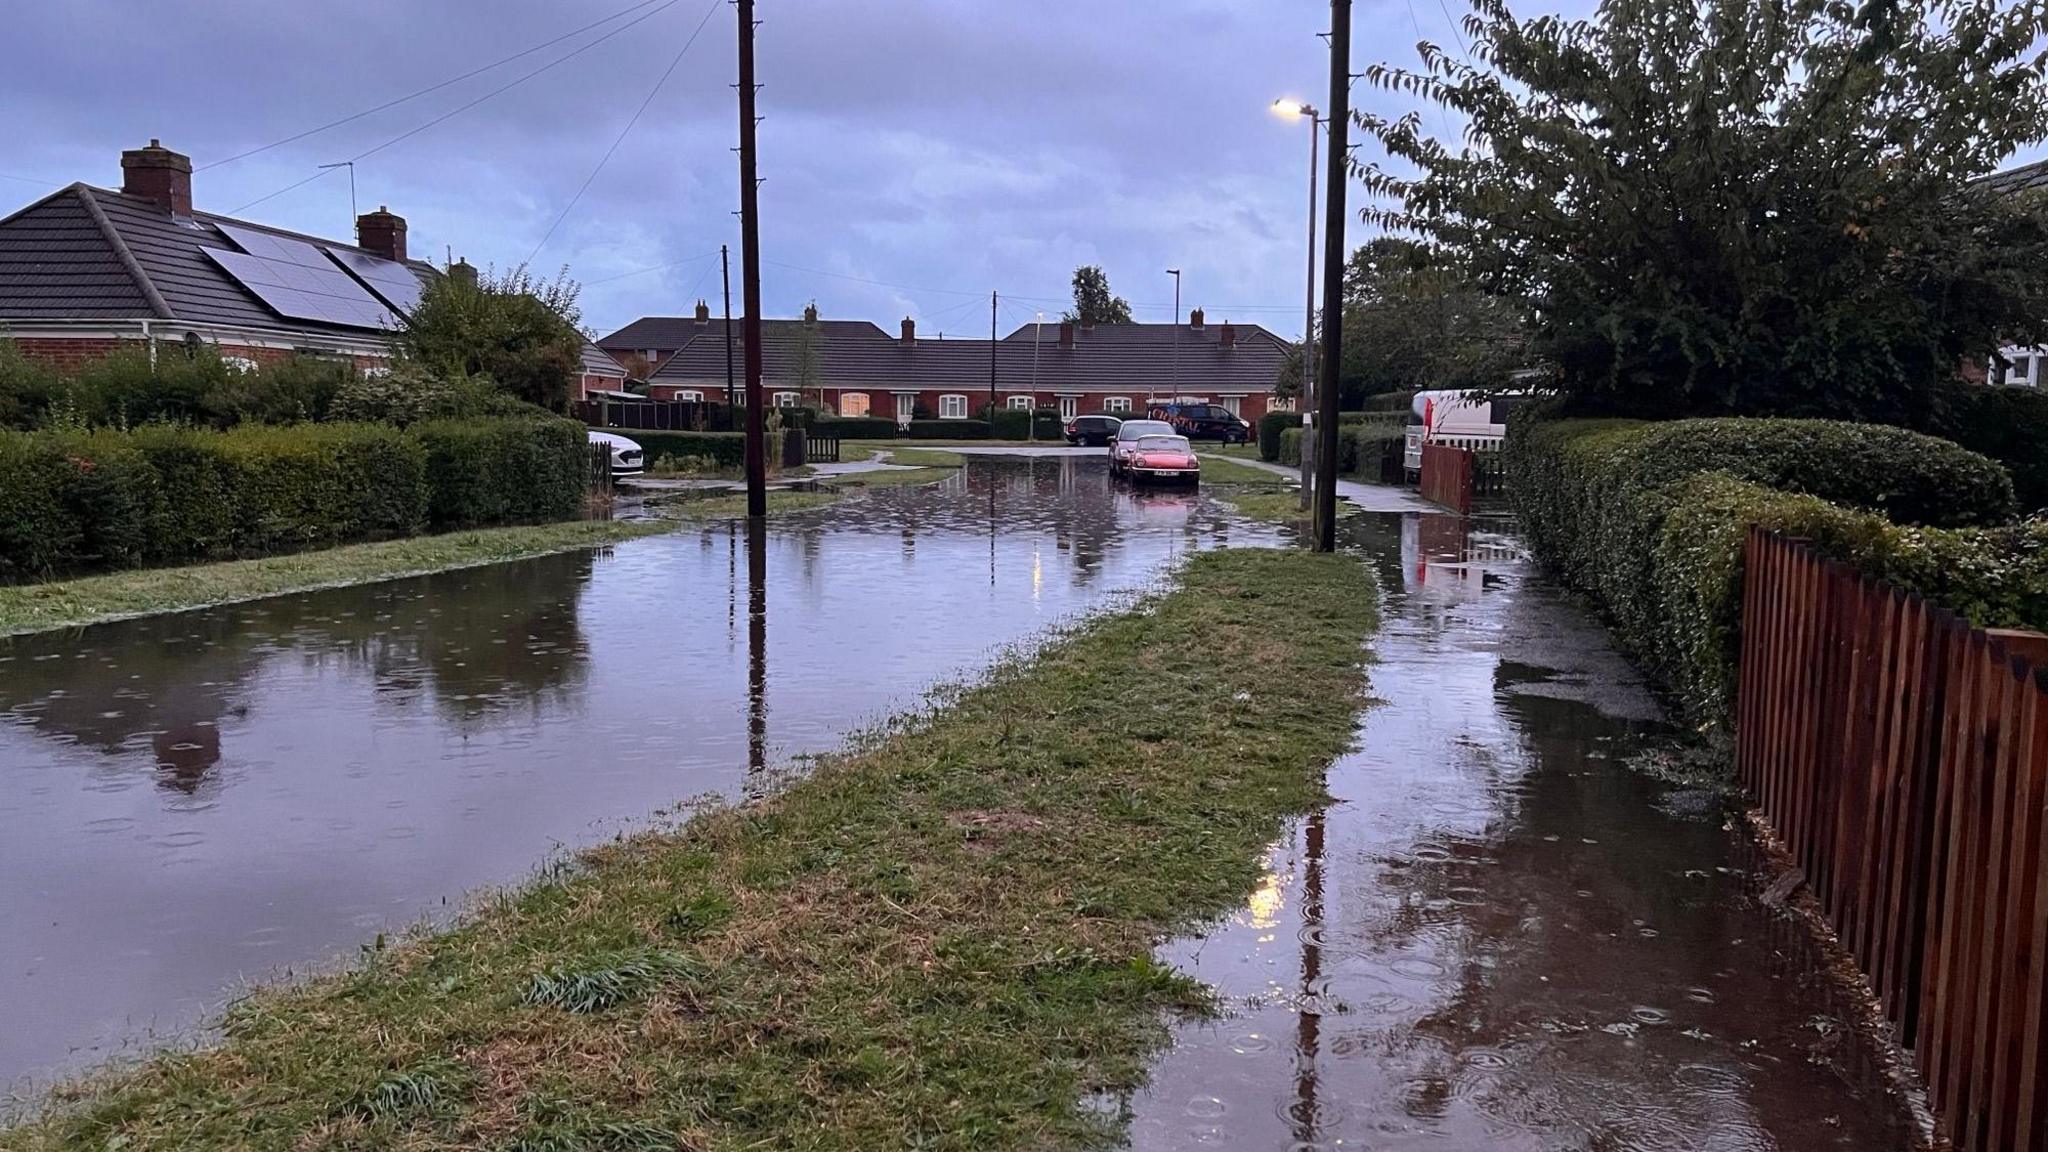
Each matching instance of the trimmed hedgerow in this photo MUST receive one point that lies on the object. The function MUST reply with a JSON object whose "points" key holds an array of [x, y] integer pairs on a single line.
{"points": [[1271, 425], [502, 471], [949, 430], [1348, 446], [1649, 518], [313, 485], [719, 449], [2010, 425], [854, 428]]}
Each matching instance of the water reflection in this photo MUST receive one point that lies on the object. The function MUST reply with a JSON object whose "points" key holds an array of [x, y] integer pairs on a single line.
{"points": [[1500, 936], [193, 799]]}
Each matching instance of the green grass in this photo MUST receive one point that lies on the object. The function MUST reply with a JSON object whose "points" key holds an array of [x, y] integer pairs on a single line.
{"points": [[905, 452], [893, 477], [1246, 451], [1216, 470], [1280, 505], [729, 505], [940, 938], [93, 599]]}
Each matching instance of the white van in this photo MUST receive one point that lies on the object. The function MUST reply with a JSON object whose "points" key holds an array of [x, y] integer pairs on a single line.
{"points": [[1458, 420]]}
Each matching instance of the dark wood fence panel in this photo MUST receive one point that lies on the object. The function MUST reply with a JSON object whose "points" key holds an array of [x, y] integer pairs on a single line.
{"points": [[1902, 756], [1447, 477]]}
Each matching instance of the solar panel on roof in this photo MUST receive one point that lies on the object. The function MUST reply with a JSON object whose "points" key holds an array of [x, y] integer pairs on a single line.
{"points": [[398, 285], [303, 292]]}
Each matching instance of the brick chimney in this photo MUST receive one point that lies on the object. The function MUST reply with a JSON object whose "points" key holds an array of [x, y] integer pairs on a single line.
{"points": [[1195, 320], [811, 312], [159, 174], [1228, 336], [1066, 333], [909, 331], [382, 232], [703, 313], [462, 271]]}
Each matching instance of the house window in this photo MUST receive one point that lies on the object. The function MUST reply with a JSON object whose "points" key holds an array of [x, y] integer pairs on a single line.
{"points": [[1280, 404], [690, 396], [239, 364], [1231, 405], [650, 355], [1020, 403], [952, 407], [2021, 367], [853, 404], [1116, 403], [786, 399]]}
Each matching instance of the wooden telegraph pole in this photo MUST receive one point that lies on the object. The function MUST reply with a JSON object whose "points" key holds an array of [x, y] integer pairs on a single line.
{"points": [[1339, 112], [750, 272]]}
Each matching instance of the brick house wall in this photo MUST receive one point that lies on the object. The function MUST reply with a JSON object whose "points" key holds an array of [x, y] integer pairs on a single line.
{"points": [[883, 403]]}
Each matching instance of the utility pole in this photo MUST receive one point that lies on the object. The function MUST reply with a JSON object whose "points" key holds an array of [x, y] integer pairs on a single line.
{"points": [[1175, 273], [1308, 330], [1037, 333], [991, 364], [750, 272], [1339, 111], [725, 273]]}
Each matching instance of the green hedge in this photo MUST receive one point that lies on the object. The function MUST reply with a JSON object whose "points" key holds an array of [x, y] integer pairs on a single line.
{"points": [[2008, 424], [82, 501], [855, 427], [1374, 451], [1347, 449], [949, 429], [721, 449], [1398, 402], [1270, 427], [1648, 520]]}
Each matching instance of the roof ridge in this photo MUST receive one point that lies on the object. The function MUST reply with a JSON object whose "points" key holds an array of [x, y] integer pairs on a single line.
{"points": [[87, 195]]}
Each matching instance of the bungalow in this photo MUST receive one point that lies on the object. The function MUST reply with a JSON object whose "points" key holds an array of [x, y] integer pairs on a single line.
{"points": [[87, 270], [855, 368]]}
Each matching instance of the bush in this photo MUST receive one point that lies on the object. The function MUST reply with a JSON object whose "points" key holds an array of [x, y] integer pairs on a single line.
{"points": [[503, 471], [1397, 402], [949, 429], [2010, 425], [201, 518], [1639, 516], [1270, 427], [315, 485], [1290, 447], [1347, 448], [1374, 451], [718, 449], [854, 427]]}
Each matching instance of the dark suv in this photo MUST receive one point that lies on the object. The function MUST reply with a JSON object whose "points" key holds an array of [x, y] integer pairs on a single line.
{"points": [[1203, 422], [1093, 431]]}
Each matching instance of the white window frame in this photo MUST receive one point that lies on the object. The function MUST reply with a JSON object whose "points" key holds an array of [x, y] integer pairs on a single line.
{"points": [[788, 399], [867, 404], [689, 396], [1020, 403], [1280, 404], [1234, 405], [2023, 366], [1070, 407], [1116, 404], [240, 363], [953, 406]]}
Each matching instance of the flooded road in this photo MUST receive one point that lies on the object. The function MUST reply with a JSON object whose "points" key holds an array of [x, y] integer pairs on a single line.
{"points": [[1500, 936], [194, 801]]}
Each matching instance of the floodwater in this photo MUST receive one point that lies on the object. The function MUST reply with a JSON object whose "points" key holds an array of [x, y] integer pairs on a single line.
{"points": [[1500, 935], [191, 802]]}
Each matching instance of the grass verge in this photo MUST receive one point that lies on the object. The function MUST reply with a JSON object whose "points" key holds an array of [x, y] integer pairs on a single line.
{"points": [[893, 477], [1276, 504], [941, 938], [117, 595], [728, 505], [1216, 470]]}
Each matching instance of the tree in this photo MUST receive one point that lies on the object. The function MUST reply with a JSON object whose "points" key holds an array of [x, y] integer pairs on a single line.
{"points": [[803, 355], [515, 330], [1093, 302], [1736, 205]]}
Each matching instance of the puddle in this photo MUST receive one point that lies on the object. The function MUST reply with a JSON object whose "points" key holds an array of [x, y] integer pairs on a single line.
{"points": [[193, 801], [1500, 937]]}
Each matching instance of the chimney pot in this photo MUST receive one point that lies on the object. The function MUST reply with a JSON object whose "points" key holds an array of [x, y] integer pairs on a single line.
{"points": [[1066, 333], [909, 330], [1195, 320], [462, 271], [1228, 337], [382, 232], [703, 313], [159, 174]]}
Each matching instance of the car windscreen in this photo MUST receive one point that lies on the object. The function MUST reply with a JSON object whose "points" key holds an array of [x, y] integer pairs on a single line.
{"points": [[1132, 429], [1162, 444]]}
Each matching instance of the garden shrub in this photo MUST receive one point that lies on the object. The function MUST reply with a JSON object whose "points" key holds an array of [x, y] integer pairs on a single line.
{"points": [[484, 472], [717, 449], [1649, 520], [2008, 424], [200, 517], [949, 429], [1347, 449], [1397, 402], [1374, 451], [1290, 447], [1270, 427], [854, 427], [314, 485]]}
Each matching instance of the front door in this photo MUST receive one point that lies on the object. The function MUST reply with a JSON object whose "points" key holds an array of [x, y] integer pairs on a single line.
{"points": [[906, 407], [1070, 407]]}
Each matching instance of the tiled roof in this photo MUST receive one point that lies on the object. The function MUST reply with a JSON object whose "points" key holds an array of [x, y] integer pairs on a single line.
{"points": [[597, 363], [668, 333], [88, 253], [1133, 358], [2024, 178]]}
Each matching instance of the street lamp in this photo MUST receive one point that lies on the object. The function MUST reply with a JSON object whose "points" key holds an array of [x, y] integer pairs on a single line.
{"points": [[1293, 108], [1175, 273], [1031, 412]]}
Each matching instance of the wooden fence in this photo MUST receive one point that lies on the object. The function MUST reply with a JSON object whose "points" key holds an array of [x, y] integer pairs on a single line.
{"points": [[1447, 476], [1903, 757], [653, 415]]}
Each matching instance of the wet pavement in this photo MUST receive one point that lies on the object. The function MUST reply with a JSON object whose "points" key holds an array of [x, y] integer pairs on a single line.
{"points": [[1500, 935], [194, 801]]}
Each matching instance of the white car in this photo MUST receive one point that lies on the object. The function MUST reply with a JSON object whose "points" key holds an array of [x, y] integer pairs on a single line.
{"points": [[1126, 441], [627, 458]]}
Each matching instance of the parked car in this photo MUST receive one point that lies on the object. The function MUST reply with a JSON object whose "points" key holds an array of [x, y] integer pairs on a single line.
{"points": [[1092, 431], [1163, 460], [1127, 435], [1203, 422], [627, 458]]}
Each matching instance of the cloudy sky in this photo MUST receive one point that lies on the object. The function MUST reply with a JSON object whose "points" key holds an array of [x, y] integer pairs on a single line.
{"points": [[917, 153]]}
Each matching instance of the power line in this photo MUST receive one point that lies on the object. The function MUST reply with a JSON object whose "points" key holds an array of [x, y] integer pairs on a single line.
{"points": [[31, 180], [403, 136], [424, 91], [621, 138], [651, 268]]}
